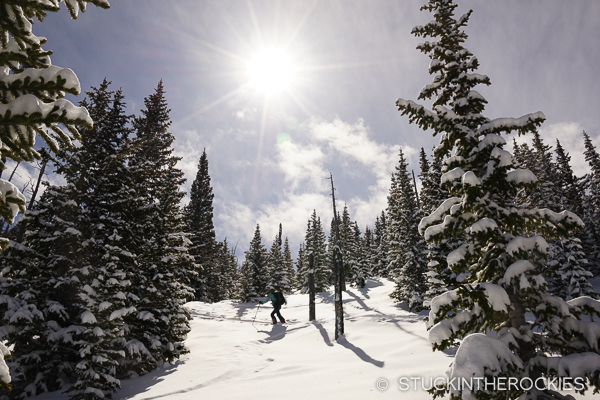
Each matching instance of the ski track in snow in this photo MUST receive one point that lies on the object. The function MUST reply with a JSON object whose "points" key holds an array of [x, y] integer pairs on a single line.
{"points": [[232, 358]]}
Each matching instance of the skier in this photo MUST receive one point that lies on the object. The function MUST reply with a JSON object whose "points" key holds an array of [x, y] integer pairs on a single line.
{"points": [[277, 299]]}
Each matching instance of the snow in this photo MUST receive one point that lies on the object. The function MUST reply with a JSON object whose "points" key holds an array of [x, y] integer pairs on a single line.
{"points": [[478, 354], [452, 175], [589, 329], [73, 231], [457, 255], [517, 270], [496, 295], [521, 176], [484, 224], [527, 244], [121, 312], [29, 104], [4, 372], [469, 178], [586, 302], [50, 74], [504, 157], [8, 190], [438, 214], [509, 124], [490, 140], [232, 359], [574, 364], [88, 318]]}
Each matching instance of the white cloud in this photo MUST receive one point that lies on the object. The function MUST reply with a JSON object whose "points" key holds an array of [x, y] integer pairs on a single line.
{"points": [[302, 165]]}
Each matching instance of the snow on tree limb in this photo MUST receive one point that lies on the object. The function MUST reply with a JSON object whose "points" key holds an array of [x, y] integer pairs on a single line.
{"points": [[524, 124]]}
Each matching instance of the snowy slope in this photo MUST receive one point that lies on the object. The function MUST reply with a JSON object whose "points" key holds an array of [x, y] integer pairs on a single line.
{"points": [[233, 359]]}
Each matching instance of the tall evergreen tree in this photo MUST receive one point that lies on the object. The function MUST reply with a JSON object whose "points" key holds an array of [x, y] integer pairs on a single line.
{"points": [[407, 249], [439, 276], [165, 267], [591, 208], [380, 267], [37, 282], [301, 265], [87, 265], [505, 247], [276, 273], [288, 268], [227, 266], [572, 193], [198, 216], [369, 251], [254, 270], [315, 244]]}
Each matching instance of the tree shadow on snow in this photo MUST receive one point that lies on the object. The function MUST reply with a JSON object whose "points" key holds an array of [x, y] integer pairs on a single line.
{"points": [[369, 284], [360, 301], [141, 384], [242, 308], [323, 333], [359, 352]]}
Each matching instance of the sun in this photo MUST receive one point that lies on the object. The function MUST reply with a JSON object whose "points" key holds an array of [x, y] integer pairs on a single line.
{"points": [[271, 71]]}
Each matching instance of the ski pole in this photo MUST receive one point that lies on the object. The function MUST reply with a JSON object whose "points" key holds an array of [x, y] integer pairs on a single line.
{"points": [[256, 312]]}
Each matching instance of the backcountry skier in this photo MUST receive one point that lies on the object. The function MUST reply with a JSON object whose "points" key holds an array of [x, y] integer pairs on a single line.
{"points": [[277, 299]]}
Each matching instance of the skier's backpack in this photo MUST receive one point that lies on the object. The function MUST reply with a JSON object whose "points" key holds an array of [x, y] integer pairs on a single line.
{"points": [[279, 299]]}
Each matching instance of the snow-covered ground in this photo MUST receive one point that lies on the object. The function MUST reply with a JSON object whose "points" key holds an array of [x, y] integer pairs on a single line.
{"points": [[232, 358]]}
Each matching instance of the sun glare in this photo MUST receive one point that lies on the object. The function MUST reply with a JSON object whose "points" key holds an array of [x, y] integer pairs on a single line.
{"points": [[271, 71]]}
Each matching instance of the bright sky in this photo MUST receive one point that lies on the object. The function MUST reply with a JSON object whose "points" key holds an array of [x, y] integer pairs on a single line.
{"points": [[281, 93]]}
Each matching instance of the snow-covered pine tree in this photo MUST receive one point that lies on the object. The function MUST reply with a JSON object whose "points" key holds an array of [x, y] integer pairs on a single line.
{"points": [[439, 276], [99, 182], [315, 244], [32, 92], [566, 272], [198, 216], [381, 261], [547, 193], [37, 283], [301, 265], [165, 267], [369, 250], [407, 249], [276, 273], [591, 207], [570, 185], [347, 244], [573, 265], [254, 269], [501, 254], [288, 267], [68, 234], [358, 270], [228, 270], [432, 193], [101, 335]]}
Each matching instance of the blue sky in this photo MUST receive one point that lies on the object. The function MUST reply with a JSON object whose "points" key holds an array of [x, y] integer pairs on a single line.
{"points": [[353, 59]]}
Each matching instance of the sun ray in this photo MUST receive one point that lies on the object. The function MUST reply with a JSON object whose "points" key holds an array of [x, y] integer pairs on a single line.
{"points": [[218, 101], [299, 103], [301, 23]]}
